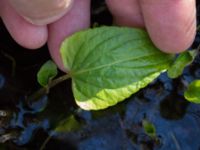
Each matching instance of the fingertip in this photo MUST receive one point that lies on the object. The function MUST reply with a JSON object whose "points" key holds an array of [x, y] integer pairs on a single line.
{"points": [[34, 38], [126, 13], [174, 44], [78, 18], [171, 28], [41, 12], [24, 33]]}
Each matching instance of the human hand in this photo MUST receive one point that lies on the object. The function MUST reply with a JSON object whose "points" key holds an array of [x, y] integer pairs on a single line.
{"points": [[50, 29], [171, 24], [170, 27]]}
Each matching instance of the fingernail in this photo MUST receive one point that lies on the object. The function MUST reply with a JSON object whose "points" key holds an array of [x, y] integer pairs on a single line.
{"points": [[41, 12]]}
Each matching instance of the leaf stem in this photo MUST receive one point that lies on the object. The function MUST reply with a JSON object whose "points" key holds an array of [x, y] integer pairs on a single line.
{"points": [[45, 142], [58, 80], [45, 90]]}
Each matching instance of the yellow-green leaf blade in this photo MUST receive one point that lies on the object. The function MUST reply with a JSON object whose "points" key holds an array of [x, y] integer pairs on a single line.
{"points": [[108, 64], [180, 63], [192, 93], [68, 124], [149, 128], [47, 72]]}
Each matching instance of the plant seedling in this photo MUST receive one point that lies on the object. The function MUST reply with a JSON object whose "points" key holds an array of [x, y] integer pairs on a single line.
{"points": [[47, 72], [109, 64], [183, 60], [68, 124], [149, 128], [192, 93]]}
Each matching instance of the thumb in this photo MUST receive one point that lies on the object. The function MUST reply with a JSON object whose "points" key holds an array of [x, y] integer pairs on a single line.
{"points": [[41, 12], [171, 23]]}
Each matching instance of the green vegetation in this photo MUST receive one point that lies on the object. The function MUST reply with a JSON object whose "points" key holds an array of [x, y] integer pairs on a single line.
{"points": [[192, 93], [109, 64]]}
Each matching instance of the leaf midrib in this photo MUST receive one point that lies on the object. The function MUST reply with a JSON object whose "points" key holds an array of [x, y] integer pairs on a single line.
{"points": [[113, 63]]}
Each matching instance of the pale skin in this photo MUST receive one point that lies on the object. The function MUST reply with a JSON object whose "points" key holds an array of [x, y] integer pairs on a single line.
{"points": [[171, 24]]}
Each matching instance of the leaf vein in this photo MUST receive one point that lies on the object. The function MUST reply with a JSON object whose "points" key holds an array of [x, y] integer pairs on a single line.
{"points": [[108, 38], [113, 63]]}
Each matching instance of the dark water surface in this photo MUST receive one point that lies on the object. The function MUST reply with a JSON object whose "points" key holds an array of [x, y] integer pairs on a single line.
{"points": [[55, 122]]}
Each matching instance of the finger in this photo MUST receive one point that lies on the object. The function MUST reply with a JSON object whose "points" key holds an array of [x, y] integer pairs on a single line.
{"points": [[126, 12], [41, 12], [24, 33], [76, 19], [170, 23]]}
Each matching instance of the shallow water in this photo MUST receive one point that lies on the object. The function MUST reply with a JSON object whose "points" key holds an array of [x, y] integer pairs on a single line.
{"points": [[57, 120]]}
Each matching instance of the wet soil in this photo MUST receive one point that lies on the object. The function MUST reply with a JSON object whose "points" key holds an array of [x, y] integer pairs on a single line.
{"points": [[55, 122]]}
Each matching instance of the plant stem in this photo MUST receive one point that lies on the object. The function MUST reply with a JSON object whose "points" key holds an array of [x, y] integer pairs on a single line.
{"points": [[175, 141], [45, 142], [198, 28], [58, 80], [45, 90]]}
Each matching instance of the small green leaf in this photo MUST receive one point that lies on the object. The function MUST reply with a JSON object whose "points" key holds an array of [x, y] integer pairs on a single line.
{"points": [[149, 128], [109, 64], [192, 93], [46, 73], [68, 124], [180, 63]]}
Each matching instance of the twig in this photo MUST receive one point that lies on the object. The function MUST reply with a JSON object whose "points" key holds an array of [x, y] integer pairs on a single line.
{"points": [[11, 58], [45, 142], [45, 90], [175, 141]]}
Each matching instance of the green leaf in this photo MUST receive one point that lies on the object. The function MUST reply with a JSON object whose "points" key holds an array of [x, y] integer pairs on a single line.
{"points": [[46, 73], [149, 128], [68, 124], [180, 63], [109, 64], [192, 93]]}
